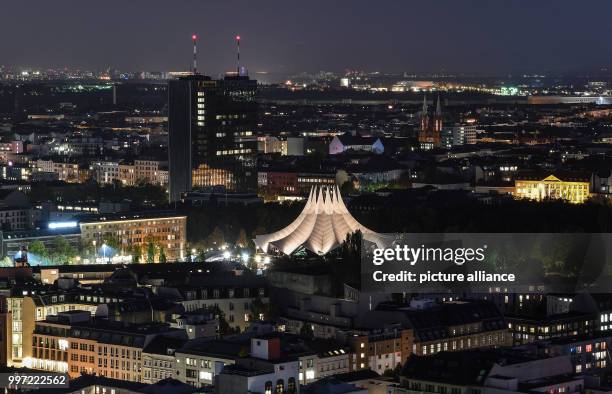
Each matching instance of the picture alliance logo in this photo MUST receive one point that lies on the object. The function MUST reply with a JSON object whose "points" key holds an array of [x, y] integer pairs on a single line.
{"points": [[413, 256]]}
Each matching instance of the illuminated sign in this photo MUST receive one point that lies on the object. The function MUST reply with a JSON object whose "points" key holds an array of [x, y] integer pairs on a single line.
{"points": [[58, 225]]}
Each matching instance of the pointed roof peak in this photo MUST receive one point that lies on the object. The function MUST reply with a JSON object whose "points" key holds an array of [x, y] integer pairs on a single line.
{"points": [[322, 225], [439, 106]]}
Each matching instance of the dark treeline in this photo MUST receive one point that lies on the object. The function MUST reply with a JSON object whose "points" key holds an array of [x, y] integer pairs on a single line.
{"points": [[429, 215], [142, 196], [215, 223], [467, 215]]}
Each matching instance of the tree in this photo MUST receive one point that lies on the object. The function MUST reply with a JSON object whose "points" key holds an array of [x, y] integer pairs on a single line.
{"points": [[38, 249], [216, 238], [162, 255], [393, 373], [151, 248], [351, 247], [150, 252], [201, 255], [224, 327], [112, 241], [62, 251], [136, 252], [6, 262], [259, 308], [306, 330], [347, 187], [242, 240]]}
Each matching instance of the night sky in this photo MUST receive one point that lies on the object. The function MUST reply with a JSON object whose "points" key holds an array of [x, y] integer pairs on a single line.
{"points": [[285, 36]]}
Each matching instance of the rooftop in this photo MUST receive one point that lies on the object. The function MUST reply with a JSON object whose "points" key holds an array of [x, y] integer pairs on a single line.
{"points": [[163, 344], [469, 367], [129, 216]]}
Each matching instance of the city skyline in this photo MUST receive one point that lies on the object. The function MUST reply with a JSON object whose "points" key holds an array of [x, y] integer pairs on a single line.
{"points": [[470, 37], [275, 197]]}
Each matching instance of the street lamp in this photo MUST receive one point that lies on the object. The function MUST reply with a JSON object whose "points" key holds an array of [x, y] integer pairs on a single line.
{"points": [[104, 251]]}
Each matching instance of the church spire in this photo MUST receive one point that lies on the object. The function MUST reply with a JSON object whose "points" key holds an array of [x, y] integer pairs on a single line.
{"points": [[438, 115], [424, 115]]}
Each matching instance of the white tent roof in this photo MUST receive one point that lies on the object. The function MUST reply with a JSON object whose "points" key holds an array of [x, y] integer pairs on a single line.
{"points": [[322, 226]]}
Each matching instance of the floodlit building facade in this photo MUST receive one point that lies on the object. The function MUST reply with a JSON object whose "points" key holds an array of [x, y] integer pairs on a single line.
{"points": [[73, 343], [572, 189], [165, 229]]}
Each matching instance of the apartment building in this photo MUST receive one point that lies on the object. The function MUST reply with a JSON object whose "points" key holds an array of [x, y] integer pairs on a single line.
{"points": [[30, 306], [105, 172], [76, 343], [233, 295], [66, 171], [379, 349], [200, 360], [486, 372], [15, 210], [153, 172], [159, 359], [528, 329], [588, 354], [164, 229], [453, 326]]}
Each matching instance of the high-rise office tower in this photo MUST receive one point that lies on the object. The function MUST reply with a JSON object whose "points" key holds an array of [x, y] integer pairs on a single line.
{"points": [[211, 127]]}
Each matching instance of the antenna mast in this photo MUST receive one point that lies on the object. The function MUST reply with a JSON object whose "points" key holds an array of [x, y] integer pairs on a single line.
{"points": [[194, 38], [238, 55]]}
